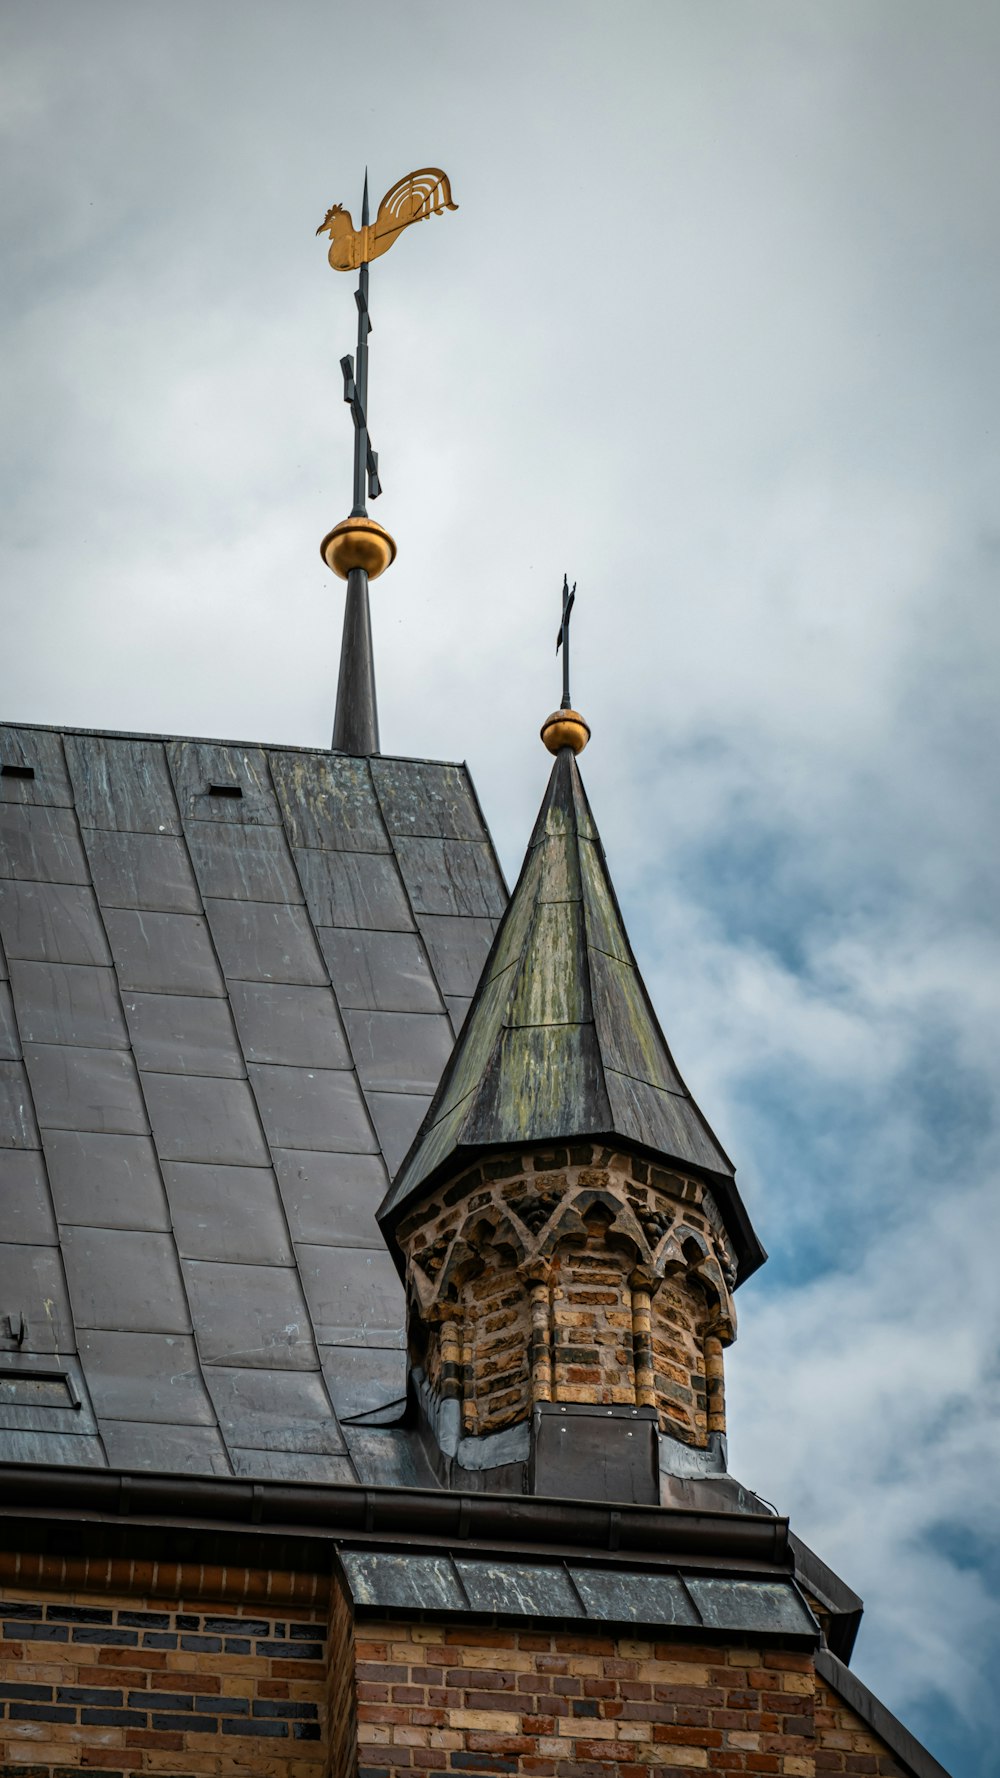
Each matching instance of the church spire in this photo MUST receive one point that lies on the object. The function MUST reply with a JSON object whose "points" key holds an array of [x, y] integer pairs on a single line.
{"points": [[561, 1042], [358, 549], [567, 1224]]}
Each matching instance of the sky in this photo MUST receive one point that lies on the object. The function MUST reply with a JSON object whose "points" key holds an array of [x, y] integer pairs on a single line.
{"points": [[715, 329]]}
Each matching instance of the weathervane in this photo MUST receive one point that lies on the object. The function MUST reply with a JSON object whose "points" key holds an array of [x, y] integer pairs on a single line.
{"points": [[565, 727], [358, 549]]}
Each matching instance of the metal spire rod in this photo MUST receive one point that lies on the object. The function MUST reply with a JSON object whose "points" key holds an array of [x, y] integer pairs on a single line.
{"points": [[358, 549], [356, 392], [562, 640]]}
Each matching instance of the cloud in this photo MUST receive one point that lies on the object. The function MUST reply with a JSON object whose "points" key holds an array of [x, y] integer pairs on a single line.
{"points": [[714, 328]]}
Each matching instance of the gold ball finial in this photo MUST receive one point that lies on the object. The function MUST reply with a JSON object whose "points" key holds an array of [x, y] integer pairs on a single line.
{"points": [[565, 728], [358, 543]]}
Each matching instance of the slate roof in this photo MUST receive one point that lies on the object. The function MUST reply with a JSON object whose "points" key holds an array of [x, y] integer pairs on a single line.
{"points": [[230, 977], [561, 1040]]}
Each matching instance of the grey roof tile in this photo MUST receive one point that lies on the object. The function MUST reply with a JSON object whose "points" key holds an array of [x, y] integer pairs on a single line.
{"points": [[265, 942], [458, 1006], [354, 889], [150, 871], [380, 971], [274, 1410], [397, 1118], [105, 1181], [54, 1448], [121, 782], [183, 1034], [18, 1128], [399, 1052], [354, 1296], [451, 877], [164, 1449], [163, 953], [227, 1213], [203, 771], [293, 1466], [125, 1281], [420, 797], [69, 1003], [145, 1376], [41, 845], [40, 752], [58, 922], [27, 1205], [243, 863], [85, 1089], [331, 1198], [33, 1284], [364, 1379], [250, 1316], [457, 948], [199, 1119], [279, 1022], [329, 801], [312, 1108], [10, 1042]]}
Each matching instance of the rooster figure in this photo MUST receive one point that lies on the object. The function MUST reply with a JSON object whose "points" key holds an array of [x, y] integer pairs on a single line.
{"points": [[421, 194]]}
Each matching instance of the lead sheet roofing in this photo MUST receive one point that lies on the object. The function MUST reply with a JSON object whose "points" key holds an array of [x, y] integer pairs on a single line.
{"points": [[561, 1040], [230, 978]]}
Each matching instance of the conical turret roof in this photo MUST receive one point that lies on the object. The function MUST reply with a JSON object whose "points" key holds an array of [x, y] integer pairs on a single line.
{"points": [[561, 1041]]}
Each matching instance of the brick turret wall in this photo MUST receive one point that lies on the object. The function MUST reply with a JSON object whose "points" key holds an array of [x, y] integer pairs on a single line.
{"points": [[576, 1274]]}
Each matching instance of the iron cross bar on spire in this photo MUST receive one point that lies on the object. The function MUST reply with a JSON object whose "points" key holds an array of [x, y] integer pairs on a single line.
{"points": [[562, 640], [356, 391]]}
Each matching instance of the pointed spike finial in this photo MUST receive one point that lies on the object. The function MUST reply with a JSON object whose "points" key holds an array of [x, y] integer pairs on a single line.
{"points": [[565, 727], [365, 218]]}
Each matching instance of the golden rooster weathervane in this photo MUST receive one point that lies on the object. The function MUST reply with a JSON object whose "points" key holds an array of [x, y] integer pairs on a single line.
{"points": [[358, 549], [412, 199]]}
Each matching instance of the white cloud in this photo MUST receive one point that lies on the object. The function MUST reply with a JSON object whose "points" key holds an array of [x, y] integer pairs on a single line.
{"points": [[715, 329]]}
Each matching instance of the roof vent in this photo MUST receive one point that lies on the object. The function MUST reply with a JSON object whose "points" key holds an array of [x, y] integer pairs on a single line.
{"points": [[11, 771], [225, 790]]}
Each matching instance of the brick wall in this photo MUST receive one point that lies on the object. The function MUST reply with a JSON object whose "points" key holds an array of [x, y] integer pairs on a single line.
{"points": [[104, 1684], [438, 1701], [571, 1275], [341, 1689], [95, 1682], [844, 1744], [566, 1706]]}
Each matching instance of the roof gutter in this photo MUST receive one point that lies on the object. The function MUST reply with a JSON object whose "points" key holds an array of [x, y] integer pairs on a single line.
{"points": [[36, 1492]]}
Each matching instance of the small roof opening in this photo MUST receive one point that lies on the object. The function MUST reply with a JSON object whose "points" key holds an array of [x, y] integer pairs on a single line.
{"points": [[225, 790], [16, 771]]}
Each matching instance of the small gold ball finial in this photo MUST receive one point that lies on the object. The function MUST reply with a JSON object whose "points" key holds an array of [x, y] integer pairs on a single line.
{"points": [[358, 543], [565, 728]]}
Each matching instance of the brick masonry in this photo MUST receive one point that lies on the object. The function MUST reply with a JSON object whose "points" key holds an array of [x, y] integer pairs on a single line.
{"points": [[103, 1685], [479, 1703], [844, 1744], [93, 1682], [578, 1274]]}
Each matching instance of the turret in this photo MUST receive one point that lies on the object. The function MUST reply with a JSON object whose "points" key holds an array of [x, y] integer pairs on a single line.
{"points": [[567, 1225]]}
